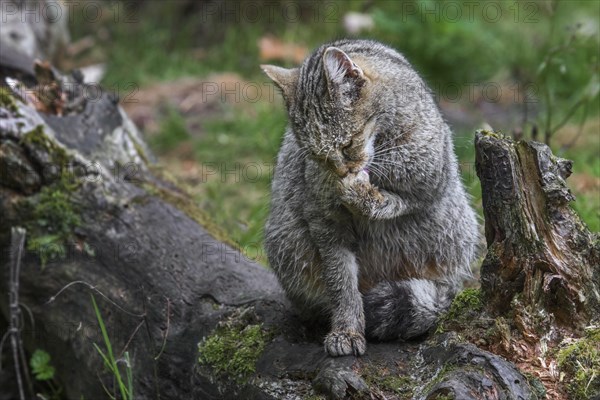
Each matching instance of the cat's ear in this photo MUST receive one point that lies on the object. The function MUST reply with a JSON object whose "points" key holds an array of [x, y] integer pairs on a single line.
{"points": [[339, 67], [286, 79]]}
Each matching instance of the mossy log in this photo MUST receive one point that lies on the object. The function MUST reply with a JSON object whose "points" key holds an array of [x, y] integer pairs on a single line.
{"points": [[540, 254], [189, 314]]}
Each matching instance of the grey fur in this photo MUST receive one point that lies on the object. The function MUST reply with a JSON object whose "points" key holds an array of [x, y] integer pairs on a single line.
{"points": [[367, 203]]}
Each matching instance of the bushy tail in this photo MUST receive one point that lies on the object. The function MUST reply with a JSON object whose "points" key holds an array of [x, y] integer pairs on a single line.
{"points": [[405, 309]]}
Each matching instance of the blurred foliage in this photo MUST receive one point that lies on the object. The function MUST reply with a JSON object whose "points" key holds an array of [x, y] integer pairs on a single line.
{"points": [[248, 141], [168, 39], [443, 50], [172, 131], [547, 48]]}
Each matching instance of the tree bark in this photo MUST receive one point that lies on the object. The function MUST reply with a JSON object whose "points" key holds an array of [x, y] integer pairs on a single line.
{"points": [[540, 278], [164, 283], [540, 253]]}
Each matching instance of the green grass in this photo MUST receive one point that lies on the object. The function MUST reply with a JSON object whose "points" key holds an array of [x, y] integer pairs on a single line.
{"points": [[124, 383], [586, 161], [172, 131], [237, 155], [588, 208], [465, 150]]}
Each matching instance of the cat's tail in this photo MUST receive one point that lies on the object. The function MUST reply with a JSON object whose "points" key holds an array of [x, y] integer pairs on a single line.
{"points": [[405, 309]]}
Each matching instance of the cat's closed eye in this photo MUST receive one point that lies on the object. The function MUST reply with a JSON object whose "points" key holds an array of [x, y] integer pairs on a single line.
{"points": [[369, 127], [347, 149]]}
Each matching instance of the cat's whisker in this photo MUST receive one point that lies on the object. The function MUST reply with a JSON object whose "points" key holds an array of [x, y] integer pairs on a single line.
{"points": [[381, 172], [384, 160], [389, 149], [380, 175], [327, 155], [382, 145], [392, 163]]}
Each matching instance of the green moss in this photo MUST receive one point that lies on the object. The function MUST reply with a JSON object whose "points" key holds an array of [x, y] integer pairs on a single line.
{"points": [[384, 380], [581, 362], [465, 301], [445, 370], [7, 100], [38, 138], [53, 217], [52, 213], [138, 148], [401, 385], [463, 307], [496, 135], [234, 347]]}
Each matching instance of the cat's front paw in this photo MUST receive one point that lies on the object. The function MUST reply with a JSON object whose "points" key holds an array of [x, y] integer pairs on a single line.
{"points": [[345, 343], [358, 194], [355, 181]]}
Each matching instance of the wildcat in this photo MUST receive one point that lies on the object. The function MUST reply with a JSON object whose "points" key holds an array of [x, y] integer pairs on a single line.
{"points": [[369, 226]]}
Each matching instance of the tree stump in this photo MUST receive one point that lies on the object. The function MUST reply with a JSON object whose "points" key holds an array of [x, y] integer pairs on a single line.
{"points": [[538, 248], [541, 275]]}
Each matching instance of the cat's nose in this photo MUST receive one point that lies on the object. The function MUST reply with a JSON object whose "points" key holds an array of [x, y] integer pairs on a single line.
{"points": [[340, 169], [338, 166]]}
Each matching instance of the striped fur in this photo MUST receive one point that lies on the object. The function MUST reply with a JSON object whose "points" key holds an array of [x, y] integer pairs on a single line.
{"points": [[368, 212]]}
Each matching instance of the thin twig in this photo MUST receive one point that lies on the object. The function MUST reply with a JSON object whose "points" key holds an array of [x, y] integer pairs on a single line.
{"points": [[24, 364], [92, 287], [16, 249], [30, 314], [4, 337], [580, 130], [137, 328], [166, 332], [568, 115]]}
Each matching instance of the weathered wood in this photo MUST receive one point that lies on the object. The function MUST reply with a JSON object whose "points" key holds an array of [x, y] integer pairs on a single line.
{"points": [[538, 248], [541, 276], [163, 282]]}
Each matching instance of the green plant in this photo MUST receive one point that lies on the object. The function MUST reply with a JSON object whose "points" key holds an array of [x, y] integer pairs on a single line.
{"points": [[236, 178], [125, 385], [383, 379], [44, 373], [40, 365]]}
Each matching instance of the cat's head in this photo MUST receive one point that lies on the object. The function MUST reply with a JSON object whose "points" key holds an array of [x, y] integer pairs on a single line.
{"points": [[332, 106]]}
